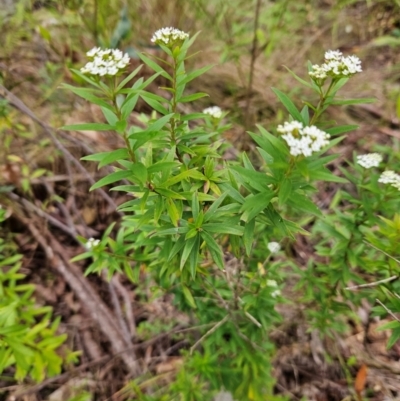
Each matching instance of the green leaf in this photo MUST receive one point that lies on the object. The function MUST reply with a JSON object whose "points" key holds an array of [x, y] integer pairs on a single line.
{"points": [[341, 129], [162, 166], [213, 208], [248, 236], [223, 228], [160, 123], [390, 325], [113, 177], [178, 178], [302, 81], [177, 247], [191, 98], [158, 208], [169, 194], [194, 74], [339, 84], [202, 197], [186, 250], [128, 78], [289, 105], [306, 115], [300, 202], [128, 105], [266, 156], [173, 231], [97, 157], [192, 116], [147, 82], [88, 94], [195, 205], [214, 249], [325, 175], [254, 204], [85, 78], [172, 211], [188, 43], [120, 126], [194, 257], [154, 66], [140, 138], [256, 180], [394, 337], [82, 256], [189, 297], [387, 40], [139, 170], [343, 102], [88, 127], [285, 190], [110, 116], [271, 144], [112, 156], [156, 105]]}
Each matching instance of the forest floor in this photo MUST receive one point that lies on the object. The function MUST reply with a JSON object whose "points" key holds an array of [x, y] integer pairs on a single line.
{"points": [[48, 212]]}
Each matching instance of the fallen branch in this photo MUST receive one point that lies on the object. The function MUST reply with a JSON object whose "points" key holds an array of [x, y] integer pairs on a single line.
{"points": [[374, 284], [89, 298]]}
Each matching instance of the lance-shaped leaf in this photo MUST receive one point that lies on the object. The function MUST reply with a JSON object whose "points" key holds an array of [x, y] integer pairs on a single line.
{"points": [[255, 204], [220, 228], [186, 251], [289, 105], [107, 157], [248, 235], [214, 249], [88, 127], [154, 66], [113, 177]]}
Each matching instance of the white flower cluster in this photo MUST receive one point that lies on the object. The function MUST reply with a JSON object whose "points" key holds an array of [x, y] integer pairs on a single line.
{"points": [[303, 140], [336, 66], [390, 177], [273, 283], [105, 62], [169, 36], [91, 243], [369, 160], [274, 247], [213, 111]]}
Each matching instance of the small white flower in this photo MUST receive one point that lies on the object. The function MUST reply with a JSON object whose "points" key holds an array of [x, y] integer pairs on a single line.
{"points": [[369, 160], [91, 243], [303, 140], [273, 247], [169, 36], [390, 177], [93, 52], [333, 55], [273, 283], [213, 111], [105, 62], [336, 66]]}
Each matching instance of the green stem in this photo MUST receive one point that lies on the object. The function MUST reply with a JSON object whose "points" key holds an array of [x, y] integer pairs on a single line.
{"points": [[118, 113], [321, 103], [173, 109]]}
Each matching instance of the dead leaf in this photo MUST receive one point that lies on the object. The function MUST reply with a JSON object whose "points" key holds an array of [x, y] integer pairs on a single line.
{"points": [[169, 365], [361, 380]]}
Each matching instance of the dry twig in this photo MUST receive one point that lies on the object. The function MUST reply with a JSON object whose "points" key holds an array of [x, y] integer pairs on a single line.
{"points": [[89, 298]]}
